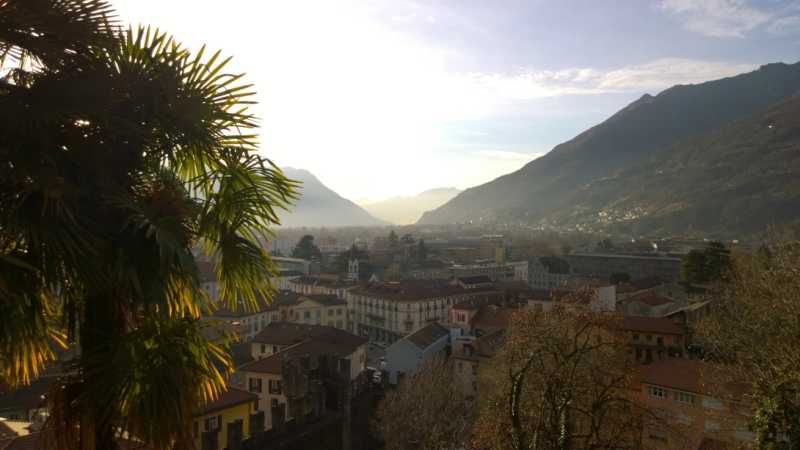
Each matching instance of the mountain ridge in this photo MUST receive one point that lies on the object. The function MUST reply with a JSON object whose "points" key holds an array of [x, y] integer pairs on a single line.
{"points": [[546, 186], [407, 210], [320, 206]]}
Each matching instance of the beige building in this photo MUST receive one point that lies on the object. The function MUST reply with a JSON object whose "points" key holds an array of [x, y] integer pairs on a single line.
{"points": [[284, 353], [388, 311], [320, 309]]}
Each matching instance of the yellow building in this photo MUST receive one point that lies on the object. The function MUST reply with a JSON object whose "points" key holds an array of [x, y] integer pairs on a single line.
{"points": [[225, 421]]}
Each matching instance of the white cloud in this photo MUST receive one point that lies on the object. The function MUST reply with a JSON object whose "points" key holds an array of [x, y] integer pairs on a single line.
{"points": [[651, 76], [725, 18], [785, 26]]}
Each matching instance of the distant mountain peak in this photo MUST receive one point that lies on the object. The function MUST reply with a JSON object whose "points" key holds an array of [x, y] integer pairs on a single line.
{"points": [[321, 206]]}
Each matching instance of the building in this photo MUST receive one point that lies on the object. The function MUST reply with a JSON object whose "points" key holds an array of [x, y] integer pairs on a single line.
{"points": [[226, 421], [546, 272], [26, 403], [388, 311], [654, 338], [289, 361], [469, 353], [325, 284], [295, 264], [320, 309], [693, 402], [604, 265], [405, 356], [496, 271], [649, 304], [598, 298], [249, 321]]}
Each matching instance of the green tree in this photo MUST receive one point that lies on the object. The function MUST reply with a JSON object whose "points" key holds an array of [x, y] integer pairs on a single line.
{"points": [[393, 240], [711, 264], [605, 246], [121, 152], [422, 250], [306, 249]]}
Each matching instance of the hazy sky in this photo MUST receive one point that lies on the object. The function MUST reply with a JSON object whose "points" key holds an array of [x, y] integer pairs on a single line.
{"points": [[385, 98]]}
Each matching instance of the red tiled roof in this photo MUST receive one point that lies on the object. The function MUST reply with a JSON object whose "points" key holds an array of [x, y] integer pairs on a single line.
{"points": [[286, 333], [412, 290], [649, 298], [229, 398], [680, 374], [262, 305], [658, 325]]}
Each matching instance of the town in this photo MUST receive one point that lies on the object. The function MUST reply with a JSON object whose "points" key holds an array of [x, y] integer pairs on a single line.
{"points": [[399, 225]]}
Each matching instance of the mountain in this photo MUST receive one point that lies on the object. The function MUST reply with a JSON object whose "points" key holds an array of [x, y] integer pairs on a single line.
{"points": [[553, 188], [406, 210], [319, 206], [732, 182]]}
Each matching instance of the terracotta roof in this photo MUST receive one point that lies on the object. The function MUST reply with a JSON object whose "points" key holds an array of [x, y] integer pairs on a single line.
{"points": [[692, 375], [427, 335], [412, 290], [659, 325], [649, 298], [282, 298], [286, 333], [337, 346], [231, 397], [678, 373], [325, 300], [647, 282]]}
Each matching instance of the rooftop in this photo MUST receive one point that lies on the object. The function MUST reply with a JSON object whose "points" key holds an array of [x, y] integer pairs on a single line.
{"points": [[286, 333], [282, 298], [411, 290], [649, 298], [492, 316], [338, 346], [227, 399], [325, 299], [659, 325], [427, 335]]}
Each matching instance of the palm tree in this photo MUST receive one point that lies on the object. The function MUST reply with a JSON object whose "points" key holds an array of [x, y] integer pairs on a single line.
{"points": [[120, 153]]}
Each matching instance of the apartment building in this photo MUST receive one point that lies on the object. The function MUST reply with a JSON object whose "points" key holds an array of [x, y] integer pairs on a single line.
{"points": [[289, 361], [388, 311], [693, 402], [654, 338]]}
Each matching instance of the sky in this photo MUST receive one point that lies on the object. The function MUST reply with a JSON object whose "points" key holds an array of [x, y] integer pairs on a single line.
{"points": [[391, 98]]}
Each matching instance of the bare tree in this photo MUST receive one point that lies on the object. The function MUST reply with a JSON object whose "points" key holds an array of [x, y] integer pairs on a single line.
{"points": [[754, 327], [427, 411], [561, 381]]}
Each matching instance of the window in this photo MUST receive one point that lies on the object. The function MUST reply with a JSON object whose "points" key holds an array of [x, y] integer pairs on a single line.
{"points": [[254, 384], [712, 403], [657, 392], [684, 419], [212, 424], [274, 403], [195, 429], [684, 397], [635, 337], [649, 337], [274, 349], [660, 340], [263, 348], [712, 425], [459, 366], [307, 314], [274, 386]]}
